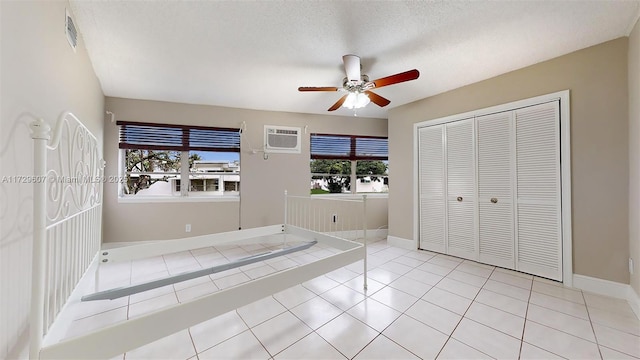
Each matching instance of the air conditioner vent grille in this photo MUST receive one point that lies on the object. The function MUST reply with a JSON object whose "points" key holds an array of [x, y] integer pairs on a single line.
{"points": [[283, 131], [286, 142], [281, 139]]}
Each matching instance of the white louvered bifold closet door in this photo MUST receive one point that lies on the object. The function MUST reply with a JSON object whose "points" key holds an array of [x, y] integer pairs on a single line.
{"points": [[432, 191], [495, 190], [539, 231], [461, 189]]}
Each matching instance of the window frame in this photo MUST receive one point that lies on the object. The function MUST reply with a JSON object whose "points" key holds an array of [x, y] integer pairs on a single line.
{"points": [[182, 139], [354, 155]]}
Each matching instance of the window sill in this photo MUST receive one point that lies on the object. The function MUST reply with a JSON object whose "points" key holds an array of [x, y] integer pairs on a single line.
{"points": [[354, 196], [177, 199]]}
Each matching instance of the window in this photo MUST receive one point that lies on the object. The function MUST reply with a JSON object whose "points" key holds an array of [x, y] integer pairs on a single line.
{"points": [[338, 161], [155, 158]]}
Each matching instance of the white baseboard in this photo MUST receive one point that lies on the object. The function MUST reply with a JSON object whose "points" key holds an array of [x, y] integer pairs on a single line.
{"points": [[372, 234], [600, 286], [401, 243], [378, 233], [634, 300], [608, 288]]}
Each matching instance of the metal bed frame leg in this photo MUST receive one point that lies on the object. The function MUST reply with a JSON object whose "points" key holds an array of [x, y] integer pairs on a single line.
{"points": [[364, 240], [284, 228], [40, 133]]}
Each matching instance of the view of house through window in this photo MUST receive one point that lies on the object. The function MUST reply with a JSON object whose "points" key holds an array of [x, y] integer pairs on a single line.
{"points": [[214, 173], [155, 160], [372, 176], [340, 161]]}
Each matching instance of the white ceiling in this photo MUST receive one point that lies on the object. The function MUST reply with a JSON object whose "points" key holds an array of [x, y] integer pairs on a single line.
{"points": [[255, 55]]}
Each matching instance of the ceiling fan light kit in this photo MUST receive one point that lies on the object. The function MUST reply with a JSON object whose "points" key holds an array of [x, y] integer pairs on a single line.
{"points": [[358, 86], [356, 100]]}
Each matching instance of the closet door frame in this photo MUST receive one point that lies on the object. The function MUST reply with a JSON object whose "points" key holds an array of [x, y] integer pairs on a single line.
{"points": [[565, 166]]}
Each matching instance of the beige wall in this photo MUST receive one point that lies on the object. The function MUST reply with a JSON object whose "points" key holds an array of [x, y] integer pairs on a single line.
{"points": [[634, 154], [39, 73], [597, 78], [262, 181]]}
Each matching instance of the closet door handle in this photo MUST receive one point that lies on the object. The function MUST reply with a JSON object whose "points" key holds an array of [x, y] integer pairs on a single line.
{"points": [[494, 200], [459, 198]]}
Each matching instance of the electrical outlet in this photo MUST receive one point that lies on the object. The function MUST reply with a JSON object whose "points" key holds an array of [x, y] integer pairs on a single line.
{"points": [[334, 218], [631, 266], [187, 228]]}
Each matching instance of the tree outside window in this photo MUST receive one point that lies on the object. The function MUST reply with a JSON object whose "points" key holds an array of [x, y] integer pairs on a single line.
{"points": [[339, 161]]}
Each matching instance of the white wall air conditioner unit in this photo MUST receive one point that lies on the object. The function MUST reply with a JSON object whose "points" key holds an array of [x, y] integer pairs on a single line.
{"points": [[282, 139]]}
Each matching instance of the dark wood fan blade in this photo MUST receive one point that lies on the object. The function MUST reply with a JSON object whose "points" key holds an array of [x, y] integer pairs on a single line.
{"points": [[338, 103], [309, 88], [397, 78], [377, 99]]}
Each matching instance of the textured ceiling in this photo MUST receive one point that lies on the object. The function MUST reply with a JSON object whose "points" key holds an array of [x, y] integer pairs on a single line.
{"points": [[255, 55]]}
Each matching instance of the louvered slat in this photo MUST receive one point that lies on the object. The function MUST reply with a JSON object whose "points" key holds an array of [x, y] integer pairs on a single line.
{"points": [[496, 243], [153, 136], [539, 239], [432, 229], [494, 155], [460, 159], [539, 251], [538, 152], [349, 147], [461, 238], [432, 196], [495, 171]]}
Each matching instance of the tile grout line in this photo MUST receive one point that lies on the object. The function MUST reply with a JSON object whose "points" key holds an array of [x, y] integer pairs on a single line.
{"points": [[420, 298], [527, 320], [193, 343], [595, 337], [524, 325], [313, 331], [250, 329], [531, 291], [294, 315], [379, 333], [404, 312], [462, 317]]}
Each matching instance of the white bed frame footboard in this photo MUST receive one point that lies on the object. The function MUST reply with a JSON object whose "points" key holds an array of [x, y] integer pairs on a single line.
{"points": [[67, 217], [335, 217], [130, 334]]}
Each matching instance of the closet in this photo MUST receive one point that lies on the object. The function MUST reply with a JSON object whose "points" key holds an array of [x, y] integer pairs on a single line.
{"points": [[489, 188]]}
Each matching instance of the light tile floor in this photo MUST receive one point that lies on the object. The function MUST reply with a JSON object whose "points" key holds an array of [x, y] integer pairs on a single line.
{"points": [[418, 305]]}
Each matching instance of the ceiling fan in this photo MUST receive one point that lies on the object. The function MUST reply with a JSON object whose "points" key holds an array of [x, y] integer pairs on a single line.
{"points": [[359, 87]]}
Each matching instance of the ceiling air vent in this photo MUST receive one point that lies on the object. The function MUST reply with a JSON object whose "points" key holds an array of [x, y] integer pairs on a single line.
{"points": [[70, 30]]}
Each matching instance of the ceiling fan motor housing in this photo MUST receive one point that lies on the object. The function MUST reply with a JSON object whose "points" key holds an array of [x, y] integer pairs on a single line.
{"points": [[352, 67], [357, 86]]}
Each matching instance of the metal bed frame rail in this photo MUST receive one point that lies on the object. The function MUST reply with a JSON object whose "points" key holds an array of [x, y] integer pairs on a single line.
{"points": [[154, 284], [130, 334]]}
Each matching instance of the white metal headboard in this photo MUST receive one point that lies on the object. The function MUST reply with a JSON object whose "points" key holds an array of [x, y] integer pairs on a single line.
{"points": [[67, 216]]}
